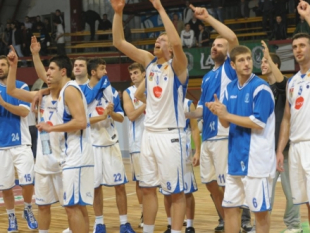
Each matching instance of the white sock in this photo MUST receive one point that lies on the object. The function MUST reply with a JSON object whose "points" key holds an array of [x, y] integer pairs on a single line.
{"points": [[99, 220], [123, 219], [174, 231], [189, 222], [43, 231], [12, 211], [27, 205], [148, 228], [169, 221]]}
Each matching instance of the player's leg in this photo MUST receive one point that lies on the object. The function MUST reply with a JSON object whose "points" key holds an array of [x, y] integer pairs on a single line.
{"points": [[76, 219], [178, 207], [167, 204]]}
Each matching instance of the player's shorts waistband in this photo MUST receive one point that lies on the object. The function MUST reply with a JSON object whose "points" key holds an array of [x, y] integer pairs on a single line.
{"points": [[164, 130]]}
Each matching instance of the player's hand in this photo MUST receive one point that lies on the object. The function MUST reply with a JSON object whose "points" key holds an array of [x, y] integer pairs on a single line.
{"points": [[118, 5], [36, 102], [196, 159], [280, 159], [217, 108], [42, 126], [200, 12], [266, 50], [156, 4], [2, 102], [35, 46], [303, 9], [12, 56]]}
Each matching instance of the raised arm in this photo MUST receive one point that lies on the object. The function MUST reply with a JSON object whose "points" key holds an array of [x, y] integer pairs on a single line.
{"points": [[35, 48], [11, 89], [303, 9], [140, 92], [131, 112], [222, 29], [119, 41]]}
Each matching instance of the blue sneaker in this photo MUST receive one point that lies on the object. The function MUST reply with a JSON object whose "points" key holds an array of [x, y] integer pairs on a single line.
{"points": [[12, 224], [126, 228], [100, 228], [31, 220]]}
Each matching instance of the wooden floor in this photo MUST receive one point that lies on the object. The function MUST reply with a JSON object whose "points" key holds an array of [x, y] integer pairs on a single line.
{"points": [[205, 219]]}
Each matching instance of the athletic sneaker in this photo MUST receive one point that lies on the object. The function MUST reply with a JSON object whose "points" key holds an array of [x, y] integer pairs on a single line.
{"points": [[168, 229], [190, 230], [293, 230], [12, 223], [126, 228], [31, 220], [219, 227], [246, 226], [184, 223], [100, 228], [141, 222], [67, 231]]}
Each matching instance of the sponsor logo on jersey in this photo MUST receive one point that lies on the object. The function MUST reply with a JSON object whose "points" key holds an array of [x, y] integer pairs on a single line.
{"points": [[151, 76], [100, 110], [49, 123], [233, 96], [299, 102]]}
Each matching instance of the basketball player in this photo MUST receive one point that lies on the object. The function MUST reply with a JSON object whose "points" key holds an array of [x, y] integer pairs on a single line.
{"points": [[248, 109], [48, 172], [15, 150], [163, 142], [294, 126], [135, 111], [109, 166], [191, 129], [270, 67], [77, 157]]}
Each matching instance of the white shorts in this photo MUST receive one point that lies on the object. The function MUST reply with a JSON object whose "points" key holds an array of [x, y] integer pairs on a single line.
{"points": [[162, 160], [250, 192], [21, 158], [213, 161], [109, 166], [299, 170], [135, 166], [48, 188], [78, 186]]}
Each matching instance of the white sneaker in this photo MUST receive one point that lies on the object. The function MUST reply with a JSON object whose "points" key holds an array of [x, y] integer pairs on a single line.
{"points": [[67, 231], [293, 230]]}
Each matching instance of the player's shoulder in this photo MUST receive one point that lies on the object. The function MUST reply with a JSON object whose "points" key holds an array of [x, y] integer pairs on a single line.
{"points": [[21, 84]]}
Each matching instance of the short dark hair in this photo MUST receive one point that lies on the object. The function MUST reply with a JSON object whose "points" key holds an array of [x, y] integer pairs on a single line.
{"points": [[81, 59], [63, 62], [136, 65], [187, 24], [276, 59], [3, 57], [240, 49], [57, 10], [94, 63], [301, 35]]}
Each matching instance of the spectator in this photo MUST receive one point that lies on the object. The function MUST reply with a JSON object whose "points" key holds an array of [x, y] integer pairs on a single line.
{"points": [[204, 36], [16, 39], [36, 23], [105, 24], [45, 40], [280, 8], [60, 39], [243, 10], [302, 26], [279, 30], [178, 24], [47, 25], [27, 23], [6, 38], [90, 17], [194, 23], [59, 15], [187, 36], [187, 13], [27, 34], [267, 8], [217, 9]]}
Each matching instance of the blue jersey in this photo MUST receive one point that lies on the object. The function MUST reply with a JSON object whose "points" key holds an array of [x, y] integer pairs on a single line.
{"points": [[214, 82], [14, 129], [251, 152]]}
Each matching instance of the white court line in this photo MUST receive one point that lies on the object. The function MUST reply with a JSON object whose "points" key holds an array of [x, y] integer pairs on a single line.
{"points": [[57, 207]]}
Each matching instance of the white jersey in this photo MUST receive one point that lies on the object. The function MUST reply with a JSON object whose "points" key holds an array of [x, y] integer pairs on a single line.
{"points": [[298, 96], [136, 127], [104, 133], [48, 164], [187, 129], [165, 96], [75, 146], [14, 128]]}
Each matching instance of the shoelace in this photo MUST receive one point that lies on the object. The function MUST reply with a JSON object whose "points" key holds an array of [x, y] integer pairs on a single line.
{"points": [[12, 221], [30, 215]]}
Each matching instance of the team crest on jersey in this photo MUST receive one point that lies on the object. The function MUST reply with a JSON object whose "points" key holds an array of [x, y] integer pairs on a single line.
{"points": [[291, 91], [151, 76], [136, 101], [247, 98]]}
